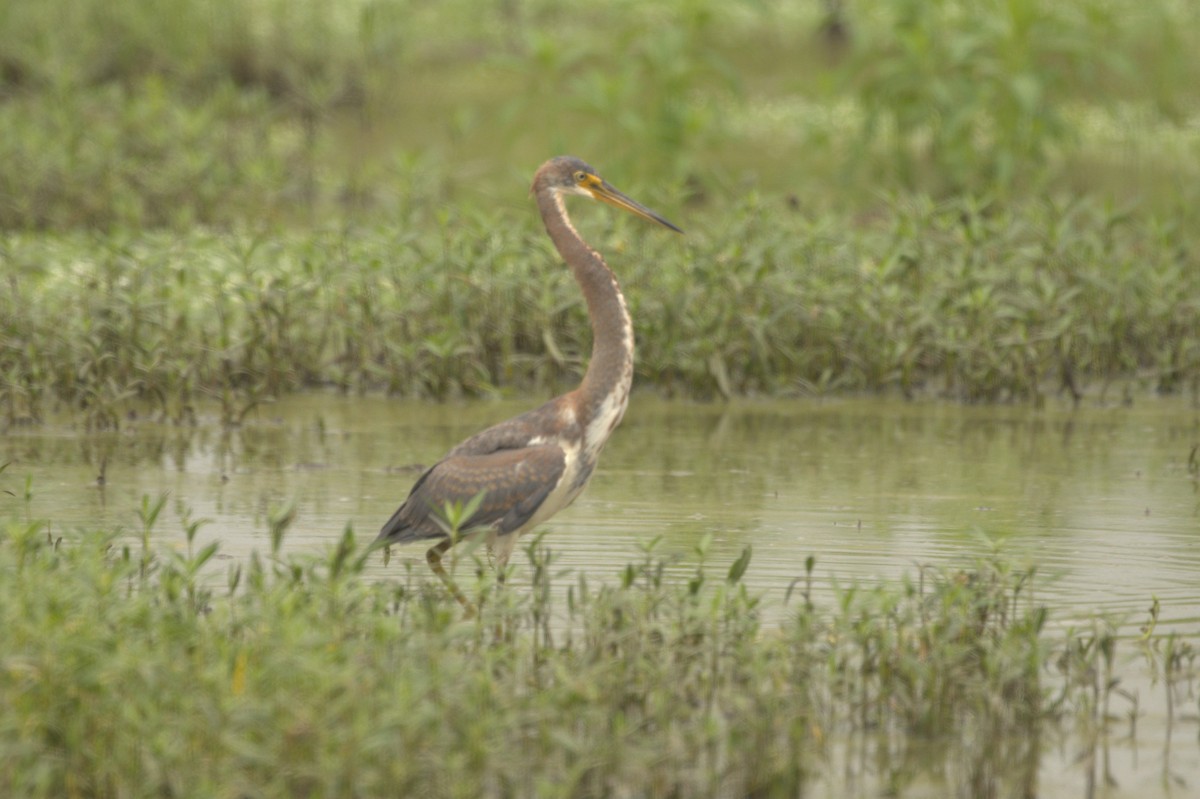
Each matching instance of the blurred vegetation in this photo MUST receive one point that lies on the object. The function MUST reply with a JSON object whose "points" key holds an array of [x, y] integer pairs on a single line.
{"points": [[991, 200], [172, 112], [293, 675]]}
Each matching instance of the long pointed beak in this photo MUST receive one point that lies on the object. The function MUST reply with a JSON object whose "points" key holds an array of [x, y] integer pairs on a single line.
{"points": [[602, 190]]}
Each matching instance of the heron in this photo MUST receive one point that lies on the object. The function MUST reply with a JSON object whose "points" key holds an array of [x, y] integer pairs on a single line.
{"points": [[520, 472]]}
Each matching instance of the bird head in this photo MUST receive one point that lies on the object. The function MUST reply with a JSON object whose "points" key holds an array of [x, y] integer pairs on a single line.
{"points": [[569, 175]]}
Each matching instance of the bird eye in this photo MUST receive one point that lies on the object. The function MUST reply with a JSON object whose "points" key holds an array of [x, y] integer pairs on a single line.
{"points": [[579, 176]]}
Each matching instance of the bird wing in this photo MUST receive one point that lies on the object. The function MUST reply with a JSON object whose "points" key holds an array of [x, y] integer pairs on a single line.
{"points": [[517, 433], [514, 484]]}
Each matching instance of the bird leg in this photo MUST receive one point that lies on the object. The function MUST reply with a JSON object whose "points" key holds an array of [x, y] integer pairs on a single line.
{"points": [[434, 556], [502, 549]]}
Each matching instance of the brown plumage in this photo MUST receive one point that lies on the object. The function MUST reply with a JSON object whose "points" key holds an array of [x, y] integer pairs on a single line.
{"points": [[532, 466]]}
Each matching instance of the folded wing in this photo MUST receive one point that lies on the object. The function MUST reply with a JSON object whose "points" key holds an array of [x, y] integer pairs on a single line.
{"points": [[514, 484]]}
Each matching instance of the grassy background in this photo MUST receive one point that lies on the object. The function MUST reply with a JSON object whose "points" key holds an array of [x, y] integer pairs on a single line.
{"points": [[981, 200], [228, 112]]}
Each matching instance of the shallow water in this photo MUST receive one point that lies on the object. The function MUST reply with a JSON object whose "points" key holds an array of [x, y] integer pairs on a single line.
{"points": [[1101, 499]]}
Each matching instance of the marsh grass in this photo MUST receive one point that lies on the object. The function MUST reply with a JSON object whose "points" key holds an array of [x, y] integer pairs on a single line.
{"points": [[130, 670], [968, 300], [979, 201]]}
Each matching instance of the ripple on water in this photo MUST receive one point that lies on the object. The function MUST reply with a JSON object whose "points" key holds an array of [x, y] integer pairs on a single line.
{"points": [[1098, 499]]}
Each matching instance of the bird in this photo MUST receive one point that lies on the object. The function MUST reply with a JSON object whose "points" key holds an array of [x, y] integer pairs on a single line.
{"points": [[517, 474]]}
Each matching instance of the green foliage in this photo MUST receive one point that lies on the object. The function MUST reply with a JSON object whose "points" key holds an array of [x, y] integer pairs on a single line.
{"points": [[228, 120], [652, 94], [171, 113], [968, 300], [977, 89], [137, 156], [124, 676]]}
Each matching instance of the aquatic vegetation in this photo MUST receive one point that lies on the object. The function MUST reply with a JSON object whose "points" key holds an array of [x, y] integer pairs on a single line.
{"points": [[863, 217], [131, 670], [965, 300]]}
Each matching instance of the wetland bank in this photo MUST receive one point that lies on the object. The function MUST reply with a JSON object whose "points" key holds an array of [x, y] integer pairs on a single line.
{"points": [[906, 499]]}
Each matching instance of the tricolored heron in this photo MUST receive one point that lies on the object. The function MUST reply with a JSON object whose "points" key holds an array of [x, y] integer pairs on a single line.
{"points": [[530, 467]]}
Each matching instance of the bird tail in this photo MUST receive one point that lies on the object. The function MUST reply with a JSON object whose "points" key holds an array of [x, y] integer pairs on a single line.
{"points": [[401, 529]]}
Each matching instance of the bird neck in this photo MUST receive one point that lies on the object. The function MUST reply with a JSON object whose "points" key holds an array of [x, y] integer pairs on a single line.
{"points": [[606, 384]]}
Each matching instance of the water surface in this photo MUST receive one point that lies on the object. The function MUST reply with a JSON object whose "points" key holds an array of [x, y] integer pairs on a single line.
{"points": [[1101, 499]]}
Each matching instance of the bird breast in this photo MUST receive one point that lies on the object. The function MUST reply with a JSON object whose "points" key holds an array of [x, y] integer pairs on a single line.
{"points": [[581, 441], [605, 417]]}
